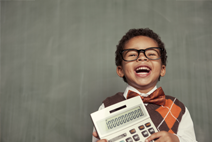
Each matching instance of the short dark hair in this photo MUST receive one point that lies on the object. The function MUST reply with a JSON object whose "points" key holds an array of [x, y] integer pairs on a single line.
{"points": [[139, 32]]}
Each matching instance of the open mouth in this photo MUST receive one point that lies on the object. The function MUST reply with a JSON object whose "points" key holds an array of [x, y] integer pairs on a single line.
{"points": [[142, 70]]}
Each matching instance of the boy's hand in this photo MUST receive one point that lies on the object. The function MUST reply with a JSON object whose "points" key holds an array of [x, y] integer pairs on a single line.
{"points": [[96, 135], [163, 136]]}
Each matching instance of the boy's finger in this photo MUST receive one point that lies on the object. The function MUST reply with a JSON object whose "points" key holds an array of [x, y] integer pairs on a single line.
{"points": [[154, 136], [103, 140], [95, 134]]}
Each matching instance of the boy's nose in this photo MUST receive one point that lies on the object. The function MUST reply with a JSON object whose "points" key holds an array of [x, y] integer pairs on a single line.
{"points": [[142, 57]]}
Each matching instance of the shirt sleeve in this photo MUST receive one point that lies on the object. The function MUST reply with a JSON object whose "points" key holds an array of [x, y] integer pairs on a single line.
{"points": [[93, 138], [186, 129]]}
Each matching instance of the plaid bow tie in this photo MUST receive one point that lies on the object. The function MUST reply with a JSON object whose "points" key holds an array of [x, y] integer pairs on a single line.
{"points": [[157, 97]]}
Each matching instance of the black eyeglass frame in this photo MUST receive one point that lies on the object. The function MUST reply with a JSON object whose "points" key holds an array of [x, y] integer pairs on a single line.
{"points": [[141, 50]]}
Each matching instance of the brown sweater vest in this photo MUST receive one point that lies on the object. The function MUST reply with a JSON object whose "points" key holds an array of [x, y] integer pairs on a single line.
{"points": [[165, 118]]}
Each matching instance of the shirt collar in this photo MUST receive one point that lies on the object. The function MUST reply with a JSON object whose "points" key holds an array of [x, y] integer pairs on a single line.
{"points": [[135, 90]]}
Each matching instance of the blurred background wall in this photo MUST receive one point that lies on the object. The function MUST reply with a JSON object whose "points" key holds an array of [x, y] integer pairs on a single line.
{"points": [[57, 62]]}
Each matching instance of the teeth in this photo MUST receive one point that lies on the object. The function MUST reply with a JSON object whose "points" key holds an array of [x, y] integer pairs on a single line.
{"points": [[142, 68]]}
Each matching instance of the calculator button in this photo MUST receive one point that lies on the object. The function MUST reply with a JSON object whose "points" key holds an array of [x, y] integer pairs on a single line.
{"points": [[148, 124], [132, 131], [141, 127], [129, 140], [145, 133], [151, 130], [136, 137]]}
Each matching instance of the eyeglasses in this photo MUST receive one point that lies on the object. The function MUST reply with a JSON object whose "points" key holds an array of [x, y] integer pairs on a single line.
{"points": [[152, 53]]}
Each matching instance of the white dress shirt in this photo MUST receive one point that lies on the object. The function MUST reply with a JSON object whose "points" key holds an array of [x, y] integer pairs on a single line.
{"points": [[185, 131]]}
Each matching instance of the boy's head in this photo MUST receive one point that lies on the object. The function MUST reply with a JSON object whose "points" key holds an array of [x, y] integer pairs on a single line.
{"points": [[141, 65]]}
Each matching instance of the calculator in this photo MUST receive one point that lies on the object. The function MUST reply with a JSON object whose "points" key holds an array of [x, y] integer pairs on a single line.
{"points": [[126, 121]]}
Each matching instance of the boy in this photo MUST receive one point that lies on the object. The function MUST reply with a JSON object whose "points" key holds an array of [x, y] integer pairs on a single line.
{"points": [[141, 61]]}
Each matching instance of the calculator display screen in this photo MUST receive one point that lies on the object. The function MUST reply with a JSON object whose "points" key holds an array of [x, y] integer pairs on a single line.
{"points": [[121, 119]]}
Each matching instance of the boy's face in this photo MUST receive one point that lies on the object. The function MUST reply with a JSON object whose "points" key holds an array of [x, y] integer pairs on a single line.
{"points": [[150, 70]]}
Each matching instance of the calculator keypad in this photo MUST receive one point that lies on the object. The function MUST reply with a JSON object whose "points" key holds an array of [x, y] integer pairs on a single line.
{"points": [[136, 134], [145, 130]]}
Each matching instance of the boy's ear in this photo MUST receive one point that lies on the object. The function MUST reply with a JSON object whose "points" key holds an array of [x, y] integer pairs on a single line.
{"points": [[119, 71], [163, 70]]}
